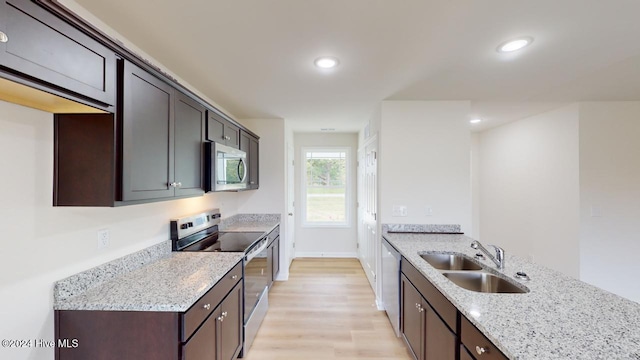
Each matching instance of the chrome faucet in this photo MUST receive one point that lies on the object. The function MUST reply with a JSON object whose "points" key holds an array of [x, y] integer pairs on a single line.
{"points": [[498, 259]]}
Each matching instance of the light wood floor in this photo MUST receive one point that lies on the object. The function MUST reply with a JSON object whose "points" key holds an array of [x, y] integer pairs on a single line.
{"points": [[326, 310]]}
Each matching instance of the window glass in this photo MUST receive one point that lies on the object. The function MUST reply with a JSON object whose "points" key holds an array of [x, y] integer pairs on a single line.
{"points": [[326, 187]]}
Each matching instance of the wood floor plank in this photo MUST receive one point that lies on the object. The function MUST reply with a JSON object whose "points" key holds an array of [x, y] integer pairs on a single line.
{"points": [[326, 310]]}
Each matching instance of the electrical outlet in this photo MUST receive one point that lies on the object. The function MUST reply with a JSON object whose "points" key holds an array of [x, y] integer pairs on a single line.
{"points": [[103, 238], [399, 210]]}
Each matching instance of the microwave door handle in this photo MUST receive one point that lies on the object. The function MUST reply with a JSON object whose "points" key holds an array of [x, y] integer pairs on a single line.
{"points": [[244, 174]]}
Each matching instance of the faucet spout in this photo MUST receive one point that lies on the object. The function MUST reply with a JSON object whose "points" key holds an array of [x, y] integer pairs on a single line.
{"points": [[498, 259]]}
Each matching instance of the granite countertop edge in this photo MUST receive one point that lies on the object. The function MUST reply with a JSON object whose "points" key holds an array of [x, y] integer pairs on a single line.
{"points": [[171, 284]]}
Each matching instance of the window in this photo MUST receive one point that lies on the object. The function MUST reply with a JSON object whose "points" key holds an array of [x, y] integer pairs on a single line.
{"points": [[326, 186]]}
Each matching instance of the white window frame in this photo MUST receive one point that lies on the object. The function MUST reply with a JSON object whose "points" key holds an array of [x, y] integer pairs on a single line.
{"points": [[348, 190]]}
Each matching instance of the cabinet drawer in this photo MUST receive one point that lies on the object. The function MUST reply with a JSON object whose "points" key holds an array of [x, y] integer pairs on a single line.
{"points": [[197, 313], [438, 302], [475, 341]]}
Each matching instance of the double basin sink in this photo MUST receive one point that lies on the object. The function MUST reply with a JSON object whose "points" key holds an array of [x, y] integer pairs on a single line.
{"points": [[468, 274]]}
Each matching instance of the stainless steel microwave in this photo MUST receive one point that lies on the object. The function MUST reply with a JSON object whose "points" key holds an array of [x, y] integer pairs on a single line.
{"points": [[226, 168]]}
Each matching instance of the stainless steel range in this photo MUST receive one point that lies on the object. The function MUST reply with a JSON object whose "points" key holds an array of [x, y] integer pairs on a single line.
{"points": [[200, 232]]}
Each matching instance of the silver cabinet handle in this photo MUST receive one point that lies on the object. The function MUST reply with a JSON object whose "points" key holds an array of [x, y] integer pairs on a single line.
{"points": [[220, 318], [3, 37], [176, 184], [224, 314], [234, 277], [207, 306], [290, 214], [480, 350]]}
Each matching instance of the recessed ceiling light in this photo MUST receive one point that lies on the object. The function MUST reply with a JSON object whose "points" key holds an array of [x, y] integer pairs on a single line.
{"points": [[326, 62], [475, 121], [515, 44]]}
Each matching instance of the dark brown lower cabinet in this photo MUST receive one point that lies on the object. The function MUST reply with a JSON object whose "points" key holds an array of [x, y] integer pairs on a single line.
{"points": [[210, 330], [220, 336], [230, 339], [464, 354], [432, 327], [477, 344], [427, 336], [273, 260], [276, 258]]}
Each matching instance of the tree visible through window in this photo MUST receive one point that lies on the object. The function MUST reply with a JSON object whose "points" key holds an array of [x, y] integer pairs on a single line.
{"points": [[326, 186]]}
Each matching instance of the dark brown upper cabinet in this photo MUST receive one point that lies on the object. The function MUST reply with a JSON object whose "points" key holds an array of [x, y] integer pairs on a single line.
{"points": [[250, 144], [147, 118], [222, 131], [151, 150], [190, 120], [43, 51]]}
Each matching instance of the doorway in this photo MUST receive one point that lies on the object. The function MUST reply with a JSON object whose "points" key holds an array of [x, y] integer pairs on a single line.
{"points": [[325, 194]]}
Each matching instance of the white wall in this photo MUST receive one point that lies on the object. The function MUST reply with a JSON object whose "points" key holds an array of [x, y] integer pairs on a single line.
{"points": [[529, 194], [610, 181], [329, 242], [475, 186], [41, 243], [270, 198], [425, 161], [94, 20]]}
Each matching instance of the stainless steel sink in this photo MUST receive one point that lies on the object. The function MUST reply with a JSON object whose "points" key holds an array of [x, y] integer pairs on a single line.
{"points": [[484, 282], [450, 261]]}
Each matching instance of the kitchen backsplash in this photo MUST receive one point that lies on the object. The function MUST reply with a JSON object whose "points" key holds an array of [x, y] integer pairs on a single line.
{"points": [[246, 218], [422, 228], [85, 280]]}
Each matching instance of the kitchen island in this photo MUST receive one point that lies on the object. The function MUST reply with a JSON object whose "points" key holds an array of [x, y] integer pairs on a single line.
{"points": [[559, 318]]}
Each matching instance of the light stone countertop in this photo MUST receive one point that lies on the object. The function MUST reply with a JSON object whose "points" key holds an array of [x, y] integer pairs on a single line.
{"points": [[560, 318], [250, 223], [172, 283]]}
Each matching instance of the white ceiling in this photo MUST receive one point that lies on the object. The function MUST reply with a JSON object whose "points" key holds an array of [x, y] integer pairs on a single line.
{"points": [[255, 57]]}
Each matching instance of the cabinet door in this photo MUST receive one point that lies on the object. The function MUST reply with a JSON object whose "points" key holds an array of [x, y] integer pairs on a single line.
{"points": [[215, 127], [232, 135], [276, 257], [464, 354], [231, 326], [244, 143], [270, 264], [254, 168], [202, 345], [412, 317], [439, 341], [189, 154], [147, 135], [44, 47]]}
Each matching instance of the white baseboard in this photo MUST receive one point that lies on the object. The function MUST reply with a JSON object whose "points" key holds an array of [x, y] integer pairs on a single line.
{"points": [[380, 305], [326, 255]]}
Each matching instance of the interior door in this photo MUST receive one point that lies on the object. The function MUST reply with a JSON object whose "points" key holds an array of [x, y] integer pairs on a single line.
{"points": [[290, 242], [369, 242]]}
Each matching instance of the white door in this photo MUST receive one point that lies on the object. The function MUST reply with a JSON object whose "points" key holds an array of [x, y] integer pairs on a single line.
{"points": [[291, 223], [368, 242]]}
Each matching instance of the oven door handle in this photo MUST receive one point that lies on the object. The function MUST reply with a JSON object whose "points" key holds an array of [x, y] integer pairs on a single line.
{"points": [[262, 244]]}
